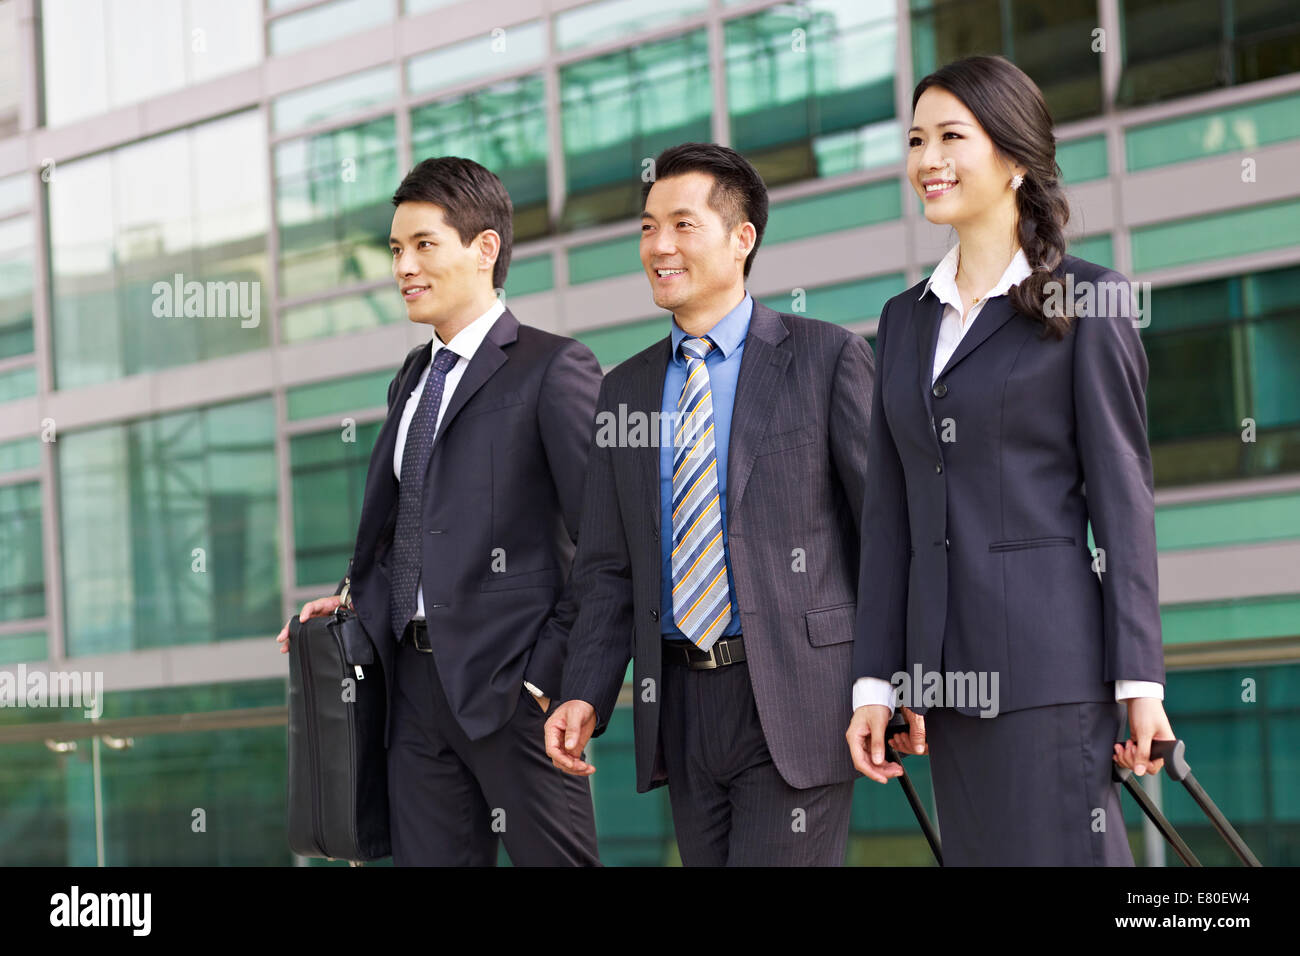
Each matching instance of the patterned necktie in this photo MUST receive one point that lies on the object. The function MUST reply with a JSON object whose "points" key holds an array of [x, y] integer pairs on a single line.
{"points": [[404, 568], [701, 602]]}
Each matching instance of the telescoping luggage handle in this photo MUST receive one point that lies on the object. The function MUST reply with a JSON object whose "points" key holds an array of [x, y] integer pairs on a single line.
{"points": [[899, 724], [1174, 754]]}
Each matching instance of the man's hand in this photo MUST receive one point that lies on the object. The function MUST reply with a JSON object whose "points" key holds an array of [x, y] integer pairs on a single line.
{"points": [[567, 732], [866, 737], [1146, 720], [316, 608]]}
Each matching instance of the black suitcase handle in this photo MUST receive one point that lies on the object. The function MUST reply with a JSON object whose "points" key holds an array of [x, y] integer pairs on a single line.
{"points": [[1174, 754], [898, 724]]}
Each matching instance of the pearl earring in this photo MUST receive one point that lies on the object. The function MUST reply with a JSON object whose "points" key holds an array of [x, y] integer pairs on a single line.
{"points": [[1016, 180]]}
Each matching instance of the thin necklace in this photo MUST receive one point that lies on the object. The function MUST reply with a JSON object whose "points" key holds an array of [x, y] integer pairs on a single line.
{"points": [[974, 299]]}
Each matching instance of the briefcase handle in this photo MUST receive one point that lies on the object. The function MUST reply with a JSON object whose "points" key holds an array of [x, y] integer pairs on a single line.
{"points": [[345, 593]]}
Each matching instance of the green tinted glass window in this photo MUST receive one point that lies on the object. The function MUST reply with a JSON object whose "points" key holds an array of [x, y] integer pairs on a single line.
{"points": [[1051, 40], [503, 127], [499, 50], [329, 479], [621, 110], [22, 574], [170, 529], [323, 102], [1214, 45], [158, 252], [333, 195], [810, 88], [16, 267], [342, 315]]}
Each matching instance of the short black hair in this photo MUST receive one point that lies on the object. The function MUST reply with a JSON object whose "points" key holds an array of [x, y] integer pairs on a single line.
{"points": [[472, 198], [738, 194]]}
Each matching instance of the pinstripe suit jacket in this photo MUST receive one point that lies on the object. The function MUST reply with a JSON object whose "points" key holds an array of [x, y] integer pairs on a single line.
{"points": [[795, 484]]}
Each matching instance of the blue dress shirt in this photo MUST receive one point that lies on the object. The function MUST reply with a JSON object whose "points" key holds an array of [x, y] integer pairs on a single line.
{"points": [[723, 365]]}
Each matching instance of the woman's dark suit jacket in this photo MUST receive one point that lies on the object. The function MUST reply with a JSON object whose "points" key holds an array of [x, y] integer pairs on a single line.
{"points": [[975, 549]]}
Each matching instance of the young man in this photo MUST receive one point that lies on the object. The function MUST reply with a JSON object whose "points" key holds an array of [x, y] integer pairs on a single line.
{"points": [[724, 561], [466, 537]]}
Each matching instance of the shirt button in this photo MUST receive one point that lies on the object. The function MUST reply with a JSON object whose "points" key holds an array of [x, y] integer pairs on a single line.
{"points": [[940, 390]]}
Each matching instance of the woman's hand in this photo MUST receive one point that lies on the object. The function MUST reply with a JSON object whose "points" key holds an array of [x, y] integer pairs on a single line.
{"points": [[1146, 720], [912, 742]]}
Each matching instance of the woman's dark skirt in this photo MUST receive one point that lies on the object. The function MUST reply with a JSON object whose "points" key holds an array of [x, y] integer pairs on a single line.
{"points": [[1028, 788]]}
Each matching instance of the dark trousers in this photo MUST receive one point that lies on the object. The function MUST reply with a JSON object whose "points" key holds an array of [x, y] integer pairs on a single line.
{"points": [[1028, 788], [451, 798], [731, 807]]}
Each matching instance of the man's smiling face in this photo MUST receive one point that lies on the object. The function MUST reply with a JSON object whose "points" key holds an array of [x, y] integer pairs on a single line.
{"points": [[690, 256], [437, 275]]}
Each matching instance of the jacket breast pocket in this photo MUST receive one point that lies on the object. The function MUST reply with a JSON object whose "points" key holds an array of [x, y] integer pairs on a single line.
{"points": [[784, 441], [1054, 541], [500, 402], [545, 578], [831, 625]]}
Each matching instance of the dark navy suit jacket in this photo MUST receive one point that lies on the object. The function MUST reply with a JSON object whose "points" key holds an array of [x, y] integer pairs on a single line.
{"points": [[504, 483], [975, 550]]}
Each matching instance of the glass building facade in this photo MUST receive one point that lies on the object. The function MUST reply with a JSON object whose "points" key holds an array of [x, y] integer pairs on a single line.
{"points": [[176, 479]]}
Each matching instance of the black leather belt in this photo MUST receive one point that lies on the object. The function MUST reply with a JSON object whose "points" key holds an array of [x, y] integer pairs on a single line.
{"points": [[417, 632], [725, 650]]}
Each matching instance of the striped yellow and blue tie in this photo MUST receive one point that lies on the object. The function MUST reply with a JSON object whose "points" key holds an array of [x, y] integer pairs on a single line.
{"points": [[701, 602]]}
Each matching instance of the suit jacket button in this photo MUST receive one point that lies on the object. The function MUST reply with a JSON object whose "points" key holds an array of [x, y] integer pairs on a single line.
{"points": [[940, 390], [946, 546], [654, 615], [938, 468]]}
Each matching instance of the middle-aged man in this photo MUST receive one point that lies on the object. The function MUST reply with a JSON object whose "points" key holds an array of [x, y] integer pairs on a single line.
{"points": [[466, 537], [723, 556]]}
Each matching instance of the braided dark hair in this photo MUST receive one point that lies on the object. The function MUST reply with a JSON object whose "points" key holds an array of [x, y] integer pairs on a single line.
{"points": [[1011, 109]]}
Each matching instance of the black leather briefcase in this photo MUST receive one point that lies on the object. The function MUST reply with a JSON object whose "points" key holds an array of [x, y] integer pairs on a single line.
{"points": [[338, 777]]}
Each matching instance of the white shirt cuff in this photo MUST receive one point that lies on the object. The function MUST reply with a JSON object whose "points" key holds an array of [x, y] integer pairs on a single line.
{"points": [[873, 690], [1125, 689], [533, 689]]}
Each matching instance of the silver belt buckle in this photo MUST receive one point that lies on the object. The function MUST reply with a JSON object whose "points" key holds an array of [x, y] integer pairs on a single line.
{"points": [[715, 660]]}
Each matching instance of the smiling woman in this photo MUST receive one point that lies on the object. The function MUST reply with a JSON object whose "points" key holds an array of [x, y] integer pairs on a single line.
{"points": [[976, 509], [983, 157]]}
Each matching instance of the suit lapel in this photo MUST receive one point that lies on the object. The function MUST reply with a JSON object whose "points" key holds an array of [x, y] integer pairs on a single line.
{"points": [[647, 394], [995, 314], [929, 312], [487, 359], [762, 368], [386, 440], [381, 484]]}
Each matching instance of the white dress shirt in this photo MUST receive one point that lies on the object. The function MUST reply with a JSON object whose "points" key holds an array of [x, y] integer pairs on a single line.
{"points": [[952, 328], [465, 343]]}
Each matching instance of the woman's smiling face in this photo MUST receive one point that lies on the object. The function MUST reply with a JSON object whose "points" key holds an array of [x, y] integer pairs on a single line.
{"points": [[952, 163]]}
